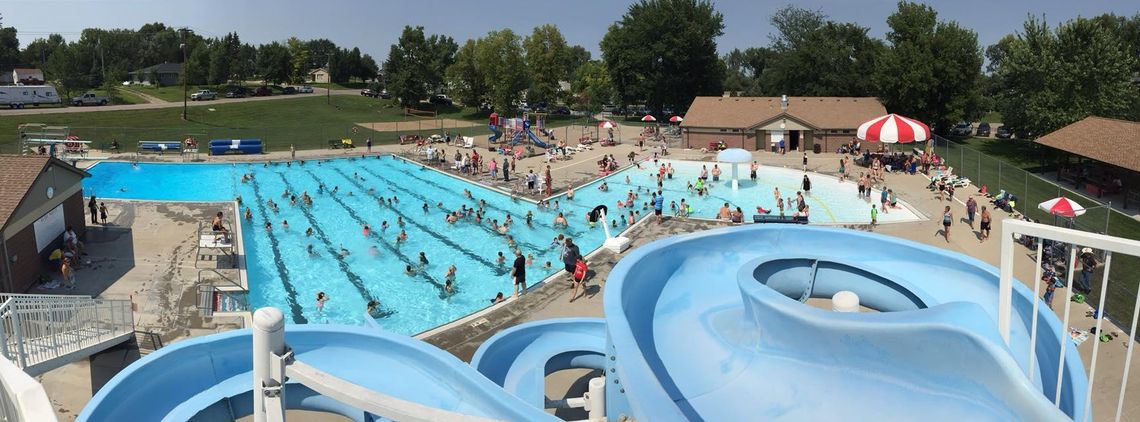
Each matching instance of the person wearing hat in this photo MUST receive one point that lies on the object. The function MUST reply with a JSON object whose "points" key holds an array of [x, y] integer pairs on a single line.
{"points": [[1088, 265]]}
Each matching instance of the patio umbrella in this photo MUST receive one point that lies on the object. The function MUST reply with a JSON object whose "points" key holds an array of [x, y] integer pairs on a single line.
{"points": [[1062, 206], [649, 118], [734, 156], [676, 119], [893, 128], [608, 124]]}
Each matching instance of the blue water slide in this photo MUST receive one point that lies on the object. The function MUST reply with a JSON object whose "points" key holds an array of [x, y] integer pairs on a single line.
{"points": [[519, 358], [537, 142], [712, 326], [210, 378], [495, 133]]}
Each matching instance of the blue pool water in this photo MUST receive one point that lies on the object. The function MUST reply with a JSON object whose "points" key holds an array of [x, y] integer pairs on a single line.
{"points": [[281, 272]]}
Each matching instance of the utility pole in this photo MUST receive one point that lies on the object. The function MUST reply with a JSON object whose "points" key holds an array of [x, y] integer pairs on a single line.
{"points": [[328, 86], [103, 67], [185, 74]]}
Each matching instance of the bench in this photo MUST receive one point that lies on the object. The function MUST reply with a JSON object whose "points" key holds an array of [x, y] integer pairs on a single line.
{"points": [[147, 147], [765, 218]]}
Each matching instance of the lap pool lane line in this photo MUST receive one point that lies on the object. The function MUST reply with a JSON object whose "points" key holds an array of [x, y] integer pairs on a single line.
{"points": [[391, 249], [568, 232], [499, 270], [352, 276], [282, 270]]}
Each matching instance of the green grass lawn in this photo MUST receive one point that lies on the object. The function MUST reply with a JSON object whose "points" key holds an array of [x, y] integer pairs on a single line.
{"points": [[991, 117], [1000, 164], [305, 120]]}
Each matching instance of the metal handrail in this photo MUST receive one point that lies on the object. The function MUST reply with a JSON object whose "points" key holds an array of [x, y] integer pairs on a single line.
{"points": [[38, 328]]}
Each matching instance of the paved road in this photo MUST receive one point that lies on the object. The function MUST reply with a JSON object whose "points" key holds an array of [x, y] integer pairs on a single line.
{"points": [[32, 111]]}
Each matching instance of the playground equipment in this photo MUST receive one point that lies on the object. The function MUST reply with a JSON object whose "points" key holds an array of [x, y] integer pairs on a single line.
{"points": [[240, 146]]}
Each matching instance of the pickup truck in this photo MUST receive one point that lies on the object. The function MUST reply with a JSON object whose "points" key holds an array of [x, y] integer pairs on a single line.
{"points": [[202, 95], [89, 99]]}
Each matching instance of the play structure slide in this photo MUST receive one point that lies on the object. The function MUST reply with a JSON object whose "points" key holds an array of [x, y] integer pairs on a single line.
{"points": [[495, 133], [240, 146], [515, 140], [537, 142], [519, 358], [210, 378], [713, 326]]}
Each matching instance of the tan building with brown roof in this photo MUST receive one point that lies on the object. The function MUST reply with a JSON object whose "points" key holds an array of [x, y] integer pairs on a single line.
{"points": [[755, 123], [39, 197], [1111, 141]]}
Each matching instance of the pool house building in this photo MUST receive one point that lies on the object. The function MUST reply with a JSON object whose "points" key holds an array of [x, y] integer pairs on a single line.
{"points": [[760, 123]]}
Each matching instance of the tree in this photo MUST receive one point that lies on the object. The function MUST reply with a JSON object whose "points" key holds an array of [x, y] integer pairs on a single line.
{"points": [[244, 63], [1053, 78], [300, 64], [197, 69], [440, 54], [592, 85], [368, 68], [834, 59], [997, 53], [932, 69], [546, 58], [745, 70], [407, 66], [9, 49], [274, 63], [37, 52], [576, 56], [219, 70], [664, 52], [793, 27], [499, 59], [463, 76]]}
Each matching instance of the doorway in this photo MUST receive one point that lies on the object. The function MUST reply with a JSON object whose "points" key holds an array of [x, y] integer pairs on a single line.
{"points": [[794, 140]]}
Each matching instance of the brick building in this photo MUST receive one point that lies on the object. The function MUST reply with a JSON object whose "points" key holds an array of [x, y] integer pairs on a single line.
{"points": [[39, 197], [756, 123]]}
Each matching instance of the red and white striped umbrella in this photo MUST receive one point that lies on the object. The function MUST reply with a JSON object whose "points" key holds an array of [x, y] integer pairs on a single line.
{"points": [[649, 118], [608, 124], [893, 128], [676, 119], [1062, 206]]}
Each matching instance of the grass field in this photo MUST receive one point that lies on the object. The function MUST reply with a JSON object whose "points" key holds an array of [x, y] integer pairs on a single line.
{"points": [[306, 121], [173, 93], [1001, 164]]}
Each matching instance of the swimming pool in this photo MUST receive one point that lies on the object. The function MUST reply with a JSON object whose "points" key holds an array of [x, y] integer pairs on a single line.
{"points": [[281, 272]]}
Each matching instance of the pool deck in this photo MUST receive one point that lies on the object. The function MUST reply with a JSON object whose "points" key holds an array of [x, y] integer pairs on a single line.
{"points": [[145, 255]]}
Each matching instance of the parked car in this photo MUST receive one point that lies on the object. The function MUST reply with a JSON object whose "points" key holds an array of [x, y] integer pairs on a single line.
{"points": [[560, 110], [238, 92], [261, 91], [384, 94], [1004, 132], [203, 95], [288, 90], [983, 129], [440, 99], [609, 108], [367, 92], [89, 98], [305, 89], [962, 129]]}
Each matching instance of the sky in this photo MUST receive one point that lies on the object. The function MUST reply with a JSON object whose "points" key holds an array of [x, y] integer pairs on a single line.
{"points": [[373, 25]]}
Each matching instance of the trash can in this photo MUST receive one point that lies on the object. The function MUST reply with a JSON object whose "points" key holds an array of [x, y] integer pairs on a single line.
{"points": [[816, 148]]}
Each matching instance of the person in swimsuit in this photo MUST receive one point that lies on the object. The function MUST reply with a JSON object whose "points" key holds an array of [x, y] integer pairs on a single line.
{"points": [[947, 218], [321, 299], [985, 224]]}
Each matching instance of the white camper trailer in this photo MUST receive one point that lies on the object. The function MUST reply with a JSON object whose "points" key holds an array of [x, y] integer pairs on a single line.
{"points": [[17, 96]]}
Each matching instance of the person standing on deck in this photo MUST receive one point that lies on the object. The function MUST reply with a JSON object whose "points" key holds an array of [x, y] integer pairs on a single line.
{"points": [[548, 180], [93, 207]]}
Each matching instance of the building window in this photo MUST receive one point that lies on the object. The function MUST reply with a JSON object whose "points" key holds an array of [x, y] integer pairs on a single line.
{"points": [[845, 131], [724, 130]]}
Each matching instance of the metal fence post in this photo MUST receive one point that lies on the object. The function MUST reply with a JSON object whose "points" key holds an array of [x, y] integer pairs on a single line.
{"points": [[999, 175]]}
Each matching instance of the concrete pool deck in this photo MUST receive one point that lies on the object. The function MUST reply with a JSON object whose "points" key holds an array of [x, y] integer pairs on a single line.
{"points": [[144, 255]]}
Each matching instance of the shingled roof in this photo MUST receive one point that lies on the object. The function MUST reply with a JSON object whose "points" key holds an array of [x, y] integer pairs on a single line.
{"points": [[1111, 141], [17, 174], [746, 112]]}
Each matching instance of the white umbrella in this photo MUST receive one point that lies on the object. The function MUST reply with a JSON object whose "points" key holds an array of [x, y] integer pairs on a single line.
{"points": [[649, 118], [734, 156], [893, 128], [608, 124], [1062, 206]]}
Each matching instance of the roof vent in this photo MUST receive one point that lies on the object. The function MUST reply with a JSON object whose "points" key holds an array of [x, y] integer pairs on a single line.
{"points": [[783, 102]]}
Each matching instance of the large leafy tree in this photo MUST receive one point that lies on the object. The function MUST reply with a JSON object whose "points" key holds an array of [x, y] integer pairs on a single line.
{"points": [[592, 85], [745, 71], [931, 70], [576, 56], [463, 76], [407, 66], [664, 52], [546, 59], [441, 54], [1053, 78], [500, 61], [834, 59], [9, 48], [274, 63]]}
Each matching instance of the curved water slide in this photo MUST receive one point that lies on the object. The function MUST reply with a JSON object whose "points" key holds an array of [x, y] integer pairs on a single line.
{"points": [[495, 133], [210, 378], [713, 326], [519, 358]]}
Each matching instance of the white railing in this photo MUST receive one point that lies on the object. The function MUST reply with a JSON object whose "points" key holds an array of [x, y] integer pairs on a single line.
{"points": [[37, 329], [1076, 240], [21, 397]]}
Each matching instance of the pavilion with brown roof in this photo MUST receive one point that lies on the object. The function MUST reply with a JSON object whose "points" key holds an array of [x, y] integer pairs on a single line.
{"points": [[39, 197], [1109, 141], [755, 123]]}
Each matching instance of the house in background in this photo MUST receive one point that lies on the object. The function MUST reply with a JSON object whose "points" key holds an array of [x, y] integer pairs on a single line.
{"points": [[318, 76], [159, 74], [39, 198], [759, 123], [25, 76]]}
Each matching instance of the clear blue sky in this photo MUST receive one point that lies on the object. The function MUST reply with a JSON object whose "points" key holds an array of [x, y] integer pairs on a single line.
{"points": [[373, 25]]}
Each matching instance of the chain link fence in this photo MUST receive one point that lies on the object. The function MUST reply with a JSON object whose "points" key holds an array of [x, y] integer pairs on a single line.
{"points": [[1032, 189]]}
